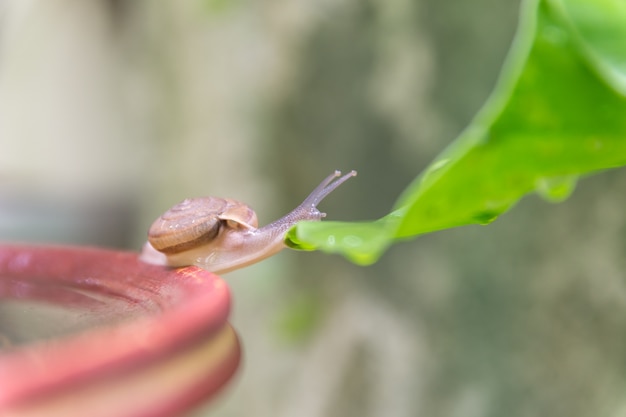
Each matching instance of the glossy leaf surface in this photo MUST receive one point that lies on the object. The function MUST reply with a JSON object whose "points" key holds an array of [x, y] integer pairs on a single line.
{"points": [[557, 113]]}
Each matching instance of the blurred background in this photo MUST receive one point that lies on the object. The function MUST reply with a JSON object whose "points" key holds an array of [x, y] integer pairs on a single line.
{"points": [[111, 111]]}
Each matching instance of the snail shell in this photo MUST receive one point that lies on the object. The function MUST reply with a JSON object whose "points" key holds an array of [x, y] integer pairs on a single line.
{"points": [[197, 221]]}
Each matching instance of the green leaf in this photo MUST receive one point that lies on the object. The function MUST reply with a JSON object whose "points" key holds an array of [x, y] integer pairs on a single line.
{"points": [[558, 112], [599, 27]]}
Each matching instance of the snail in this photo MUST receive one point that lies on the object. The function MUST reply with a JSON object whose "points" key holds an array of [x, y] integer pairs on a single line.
{"points": [[222, 234]]}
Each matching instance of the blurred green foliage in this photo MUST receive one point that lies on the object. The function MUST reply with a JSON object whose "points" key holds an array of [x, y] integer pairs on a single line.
{"points": [[295, 324], [557, 113]]}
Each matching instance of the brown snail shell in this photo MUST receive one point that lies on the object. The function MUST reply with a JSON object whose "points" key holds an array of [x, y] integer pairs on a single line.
{"points": [[197, 221]]}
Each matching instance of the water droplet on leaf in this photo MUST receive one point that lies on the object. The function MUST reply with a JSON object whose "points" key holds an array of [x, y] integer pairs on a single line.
{"points": [[486, 217], [556, 189]]}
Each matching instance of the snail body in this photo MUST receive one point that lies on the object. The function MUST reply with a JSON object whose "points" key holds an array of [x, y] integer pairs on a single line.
{"points": [[222, 234]]}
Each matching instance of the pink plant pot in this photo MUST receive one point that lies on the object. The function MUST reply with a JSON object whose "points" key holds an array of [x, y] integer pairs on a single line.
{"points": [[92, 332]]}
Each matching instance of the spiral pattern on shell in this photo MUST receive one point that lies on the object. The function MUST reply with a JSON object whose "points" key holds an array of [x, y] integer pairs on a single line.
{"points": [[197, 221]]}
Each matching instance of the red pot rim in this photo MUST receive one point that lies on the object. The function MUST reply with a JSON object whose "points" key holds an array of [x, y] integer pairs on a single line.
{"points": [[173, 310]]}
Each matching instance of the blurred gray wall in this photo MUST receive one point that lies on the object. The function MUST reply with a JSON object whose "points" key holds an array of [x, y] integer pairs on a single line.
{"points": [[112, 111]]}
